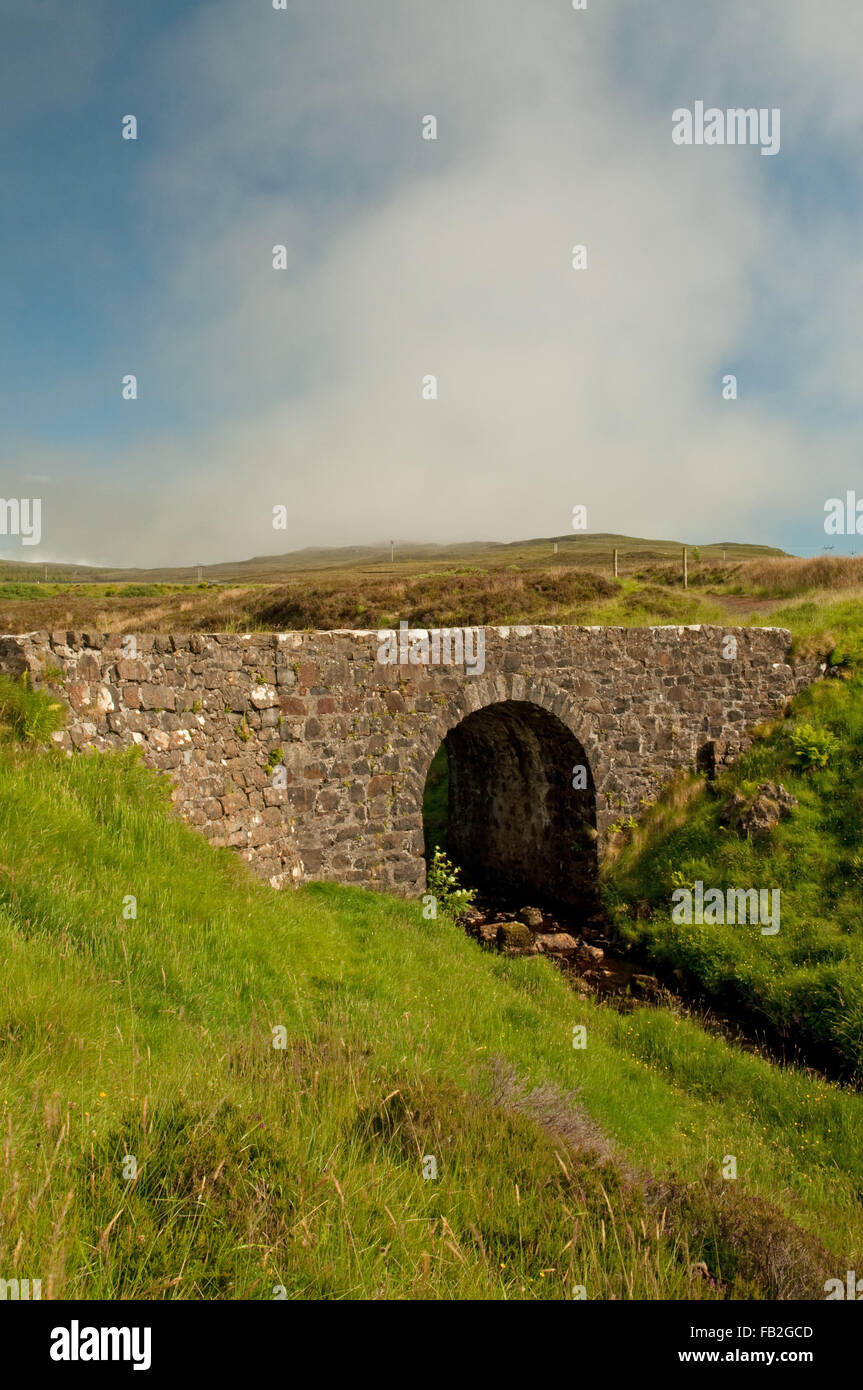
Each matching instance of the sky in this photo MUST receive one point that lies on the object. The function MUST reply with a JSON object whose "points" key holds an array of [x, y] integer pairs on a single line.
{"points": [[302, 388]]}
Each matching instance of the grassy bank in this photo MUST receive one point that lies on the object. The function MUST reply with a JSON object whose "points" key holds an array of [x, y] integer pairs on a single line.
{"points": [[152, 1037], [805, 982]]}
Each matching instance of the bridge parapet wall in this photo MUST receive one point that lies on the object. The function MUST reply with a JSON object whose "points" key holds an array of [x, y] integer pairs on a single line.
{"points": [[308, 754]]}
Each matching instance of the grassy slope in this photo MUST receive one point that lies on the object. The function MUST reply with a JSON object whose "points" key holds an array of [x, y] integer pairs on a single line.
{"points": [[807, 981], [302, 1166]]}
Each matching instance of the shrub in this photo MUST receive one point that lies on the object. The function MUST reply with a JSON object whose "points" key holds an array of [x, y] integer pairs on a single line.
{"points": [[746, 1242], [813, 747]]}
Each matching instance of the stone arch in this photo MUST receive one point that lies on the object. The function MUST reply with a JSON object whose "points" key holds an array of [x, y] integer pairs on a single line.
{"points": [[484, 691], [518, 828]]}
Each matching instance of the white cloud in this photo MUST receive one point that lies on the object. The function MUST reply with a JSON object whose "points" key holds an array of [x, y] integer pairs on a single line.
{"points": [[556, 386]]}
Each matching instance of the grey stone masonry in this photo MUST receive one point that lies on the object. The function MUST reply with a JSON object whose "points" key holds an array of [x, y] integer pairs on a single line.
{"points": [[308, 754]]}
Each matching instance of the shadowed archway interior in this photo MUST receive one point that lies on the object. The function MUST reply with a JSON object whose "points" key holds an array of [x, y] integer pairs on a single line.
{"points": [[517, 826]]}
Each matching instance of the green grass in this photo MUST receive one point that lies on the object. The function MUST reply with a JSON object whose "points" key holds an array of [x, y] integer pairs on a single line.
{"points": [[806, 982], [152, 1036], [27, 714], [13, 589], [650, 605]]}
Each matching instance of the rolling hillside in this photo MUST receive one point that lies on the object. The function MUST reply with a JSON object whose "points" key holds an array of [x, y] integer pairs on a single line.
{"points": [[586, 550]]}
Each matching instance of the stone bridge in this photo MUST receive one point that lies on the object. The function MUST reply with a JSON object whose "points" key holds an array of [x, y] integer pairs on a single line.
{"points": [[308, 753]]}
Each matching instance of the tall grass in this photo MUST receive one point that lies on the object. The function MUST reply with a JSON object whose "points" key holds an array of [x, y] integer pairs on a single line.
{"points": [[786, 578], [27, 714]]}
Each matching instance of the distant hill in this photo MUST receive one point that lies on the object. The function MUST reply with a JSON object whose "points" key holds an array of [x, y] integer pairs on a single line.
{"points": [[583, 550]]}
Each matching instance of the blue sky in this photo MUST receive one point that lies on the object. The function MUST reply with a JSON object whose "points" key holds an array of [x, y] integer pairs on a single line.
{"points": [[409, 257]]}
